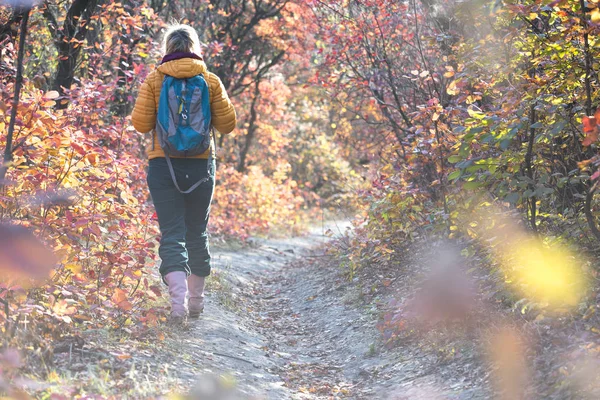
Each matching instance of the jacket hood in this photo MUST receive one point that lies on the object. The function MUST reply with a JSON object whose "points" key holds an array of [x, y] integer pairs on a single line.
{"points": [[183, 68]]}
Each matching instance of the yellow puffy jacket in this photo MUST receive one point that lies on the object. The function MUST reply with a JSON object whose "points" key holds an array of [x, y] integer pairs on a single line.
{"points": [[143, 116]]}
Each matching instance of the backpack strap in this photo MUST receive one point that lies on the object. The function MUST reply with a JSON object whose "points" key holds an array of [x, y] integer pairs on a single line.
{"points": [[206, 75], [195, 185], [158, 80]]}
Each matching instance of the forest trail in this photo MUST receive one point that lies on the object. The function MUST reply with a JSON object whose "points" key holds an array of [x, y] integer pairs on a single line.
{"points": [[268, 332], [278, 324], [244, 336]]}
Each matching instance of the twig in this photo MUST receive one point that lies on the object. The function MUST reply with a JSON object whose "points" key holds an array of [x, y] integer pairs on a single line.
{"points": [[17, 92], [233, 357], [588, 210], [316, 256], [6, 313]]}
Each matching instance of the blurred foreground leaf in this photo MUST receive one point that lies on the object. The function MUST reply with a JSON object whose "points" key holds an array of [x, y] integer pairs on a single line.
{"points": [[22, 256]]}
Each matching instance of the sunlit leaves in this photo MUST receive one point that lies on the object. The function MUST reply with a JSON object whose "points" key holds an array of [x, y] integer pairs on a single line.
{"points": [[551, 275], [84, 226], [254, 203], [120, 298], [590, 128]]}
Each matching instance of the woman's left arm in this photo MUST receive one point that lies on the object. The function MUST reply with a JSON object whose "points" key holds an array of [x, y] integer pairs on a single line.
{"points": [[143, 116]]}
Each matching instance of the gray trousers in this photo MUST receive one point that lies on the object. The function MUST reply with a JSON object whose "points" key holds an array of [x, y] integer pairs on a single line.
{"points": [[182, 218]]}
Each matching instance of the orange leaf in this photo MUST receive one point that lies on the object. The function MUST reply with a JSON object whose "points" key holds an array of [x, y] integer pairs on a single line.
{"points": [[589, 124], [120, 299]]}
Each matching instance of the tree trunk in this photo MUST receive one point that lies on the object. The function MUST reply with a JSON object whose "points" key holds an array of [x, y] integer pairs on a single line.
{"points": [[121, 105], [68, 40], [65, 71], [18, 83], [6, 28], [251, 130]]}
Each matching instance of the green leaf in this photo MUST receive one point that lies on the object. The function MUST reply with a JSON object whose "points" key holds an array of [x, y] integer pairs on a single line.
{"points": [[542, 191], [472, 185], [512, 198], [454, 175]]}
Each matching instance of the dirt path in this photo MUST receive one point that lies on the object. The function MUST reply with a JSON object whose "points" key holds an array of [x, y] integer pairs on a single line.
{"points": [[258, 331], [254, 328]]}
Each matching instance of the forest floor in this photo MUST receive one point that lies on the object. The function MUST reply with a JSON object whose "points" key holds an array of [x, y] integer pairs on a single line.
{"points": [[280, 323], [283, 322]]}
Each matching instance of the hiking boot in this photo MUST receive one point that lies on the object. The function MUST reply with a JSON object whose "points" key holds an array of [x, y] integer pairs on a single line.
{"points": [[177, 282], [196, 291]]}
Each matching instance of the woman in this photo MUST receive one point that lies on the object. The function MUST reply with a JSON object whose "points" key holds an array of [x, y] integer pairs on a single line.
{"points": [[182, 218]]}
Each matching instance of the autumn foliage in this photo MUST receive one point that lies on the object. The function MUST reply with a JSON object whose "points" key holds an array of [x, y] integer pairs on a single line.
{"points": [[462, 110], [424, 113], [456, 99]]}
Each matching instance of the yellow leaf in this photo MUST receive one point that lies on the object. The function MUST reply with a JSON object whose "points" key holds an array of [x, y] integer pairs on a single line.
{"points": [[452, 89], [74, 268]]}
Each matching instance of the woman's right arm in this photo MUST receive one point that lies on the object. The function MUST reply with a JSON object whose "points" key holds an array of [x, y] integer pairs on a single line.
{"points": [[143, 116]]}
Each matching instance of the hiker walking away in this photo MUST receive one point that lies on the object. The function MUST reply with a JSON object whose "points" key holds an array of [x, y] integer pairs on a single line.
{"points": [[181, 102]]}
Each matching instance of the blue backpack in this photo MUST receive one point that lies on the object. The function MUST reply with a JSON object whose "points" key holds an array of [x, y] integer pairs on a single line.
{"points": [[183, 121]]}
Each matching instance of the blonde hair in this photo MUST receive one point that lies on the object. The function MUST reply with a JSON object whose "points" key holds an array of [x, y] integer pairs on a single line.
{"points": [[181, 38]]}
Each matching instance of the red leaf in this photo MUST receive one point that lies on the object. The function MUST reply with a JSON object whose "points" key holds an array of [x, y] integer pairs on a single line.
{"points": [[155, 289], [590, 128]]}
